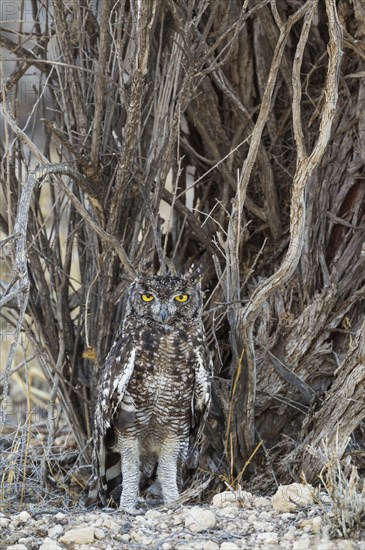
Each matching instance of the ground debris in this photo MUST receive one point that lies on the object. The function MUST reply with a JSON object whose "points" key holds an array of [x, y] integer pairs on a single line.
{"points": [[233, 520]]}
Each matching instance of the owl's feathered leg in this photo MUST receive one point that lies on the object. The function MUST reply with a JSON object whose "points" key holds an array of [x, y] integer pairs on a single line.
{"points": [[129, 450], [167, 469]]}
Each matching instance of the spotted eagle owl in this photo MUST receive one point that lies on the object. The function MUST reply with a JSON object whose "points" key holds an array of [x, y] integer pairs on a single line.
{"points": [[155, 390]]}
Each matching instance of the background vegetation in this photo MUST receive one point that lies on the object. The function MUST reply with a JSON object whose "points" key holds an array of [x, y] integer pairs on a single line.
{"points": [[225, 135]]}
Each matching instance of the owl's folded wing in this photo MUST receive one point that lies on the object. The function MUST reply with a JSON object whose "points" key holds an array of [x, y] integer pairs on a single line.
{"points": [[119, 367]]}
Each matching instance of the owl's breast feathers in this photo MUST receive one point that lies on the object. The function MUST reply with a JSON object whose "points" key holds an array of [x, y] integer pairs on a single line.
{"points": [[154, 373]]}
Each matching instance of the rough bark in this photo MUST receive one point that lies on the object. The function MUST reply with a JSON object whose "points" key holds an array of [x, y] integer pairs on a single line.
{"points": [[340, 414]]}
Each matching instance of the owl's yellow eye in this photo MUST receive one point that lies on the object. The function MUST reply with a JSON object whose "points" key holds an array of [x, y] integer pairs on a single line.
{"points": [[147, 297], [182, 297]]}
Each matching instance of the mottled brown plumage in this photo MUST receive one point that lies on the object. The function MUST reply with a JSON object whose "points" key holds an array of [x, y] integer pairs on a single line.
{"points": [[155, 390]]}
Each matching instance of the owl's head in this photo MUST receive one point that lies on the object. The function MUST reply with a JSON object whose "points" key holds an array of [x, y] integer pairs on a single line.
{"points": [[165, 300]]}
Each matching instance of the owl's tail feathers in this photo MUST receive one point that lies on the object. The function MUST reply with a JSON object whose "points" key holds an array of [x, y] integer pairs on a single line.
{"points": [[112, 478], [105, 482], [92, 498], [97, 485], [105, 485]]}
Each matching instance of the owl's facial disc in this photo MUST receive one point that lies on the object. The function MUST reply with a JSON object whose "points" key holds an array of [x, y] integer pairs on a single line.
{"points": [[166, 301], [158, 310]]}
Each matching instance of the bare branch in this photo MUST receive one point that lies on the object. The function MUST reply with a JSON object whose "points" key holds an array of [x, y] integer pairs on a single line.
{"points": [[302, 177], [66, 169]]}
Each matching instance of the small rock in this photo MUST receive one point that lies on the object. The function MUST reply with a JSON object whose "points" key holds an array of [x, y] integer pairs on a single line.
{"points": [[289, 535], [268, 538], [287, 516], [138, 536], [83, 535], [265, 516], [49, 544], [301, 544], [229, 546], [313, 524], [329, 545], [289, 497], [228, 511], [4, 522], [209, 545], [110, 524], [55, 531], [99, 534], [125, 537], [152, 514], [259, 525], [23, 517], [252, 517], [60, 515], [25, 540], [17, 547], [231, 497], [199, 520], [179, 519], [262, 502], [285, 544]]}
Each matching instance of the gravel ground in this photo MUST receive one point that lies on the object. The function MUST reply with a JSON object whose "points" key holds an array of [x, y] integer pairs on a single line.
{"points": [[228, 523]]}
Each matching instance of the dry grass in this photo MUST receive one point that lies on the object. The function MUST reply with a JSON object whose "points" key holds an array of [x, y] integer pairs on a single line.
{"points": [[344, 508], [37, 475]]}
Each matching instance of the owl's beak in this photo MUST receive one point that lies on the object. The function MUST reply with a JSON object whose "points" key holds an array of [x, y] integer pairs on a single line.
{"points": [[164, 314]]}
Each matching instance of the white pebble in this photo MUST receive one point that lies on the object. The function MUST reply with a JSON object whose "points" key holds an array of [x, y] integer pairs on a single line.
{"points": [[55, 531], [289, 535], [23, 517], [99, 534], [232, 497], [262, 502], [49, 544], [84, 535], [209, 545], [328, 545], [110, 524], [289, 497], [268, 538], [228, 511], [301, 544], [266, 516], [287, 515], [259, 525], [199, 520], [152, 514]]}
